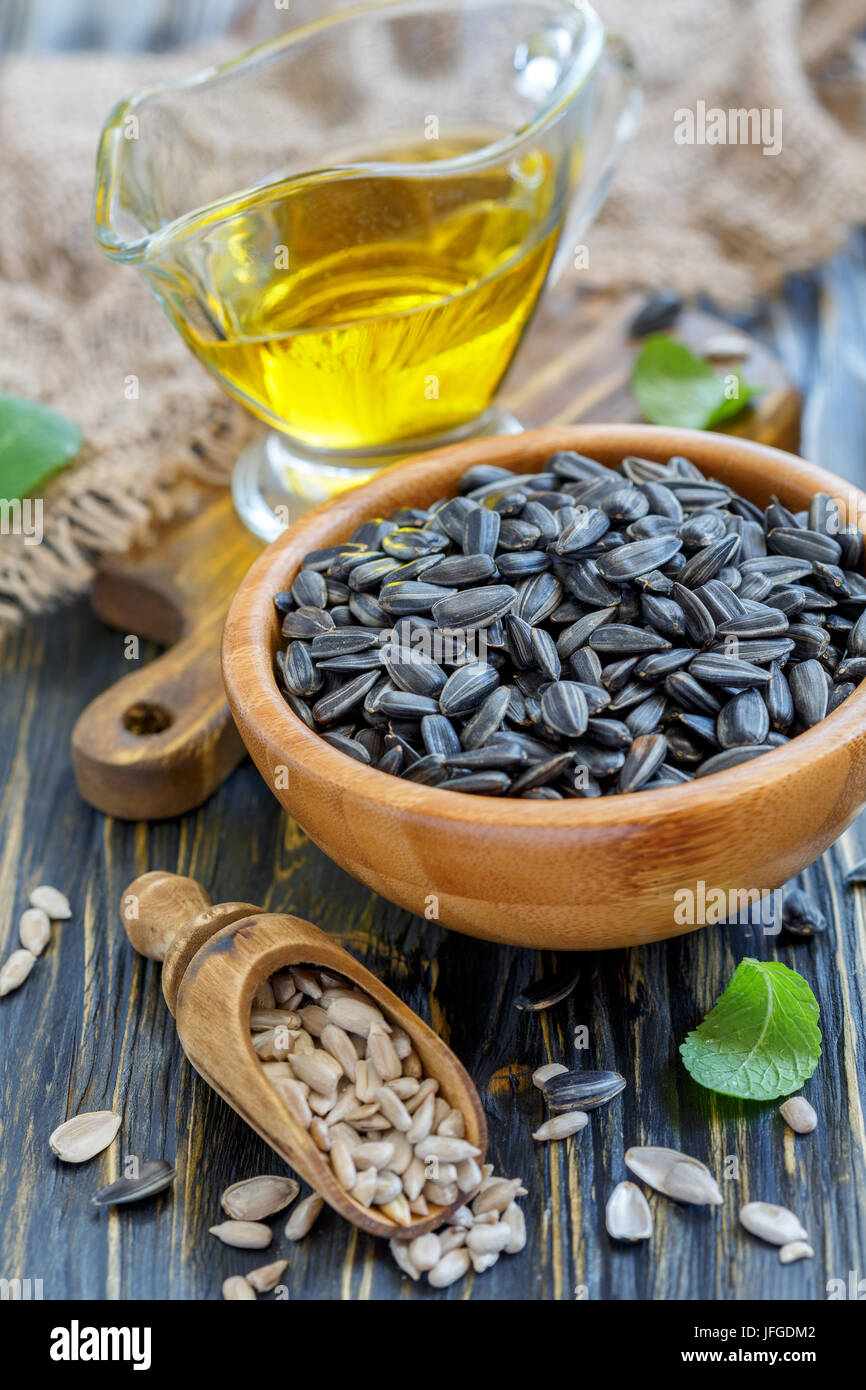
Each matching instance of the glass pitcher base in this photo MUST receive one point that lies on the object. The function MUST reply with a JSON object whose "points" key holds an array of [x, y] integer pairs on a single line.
{"points": [[276, 480]]}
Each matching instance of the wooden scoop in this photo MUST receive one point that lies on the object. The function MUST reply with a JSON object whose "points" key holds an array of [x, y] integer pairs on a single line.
{"points": [[214, 959]]}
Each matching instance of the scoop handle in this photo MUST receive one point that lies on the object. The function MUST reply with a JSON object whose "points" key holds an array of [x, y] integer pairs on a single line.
{"points": [[156, 906]]}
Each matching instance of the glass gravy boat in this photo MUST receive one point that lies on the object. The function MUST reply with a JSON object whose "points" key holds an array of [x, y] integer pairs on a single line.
{"points": [[350, 226]]}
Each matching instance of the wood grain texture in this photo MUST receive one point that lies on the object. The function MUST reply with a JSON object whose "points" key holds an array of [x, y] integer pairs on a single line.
{"points": [[504, 868], [90, 1027], [158, 742]]}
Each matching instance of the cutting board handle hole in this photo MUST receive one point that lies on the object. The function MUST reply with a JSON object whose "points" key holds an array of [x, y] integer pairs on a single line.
{"points": [[144, 718]]}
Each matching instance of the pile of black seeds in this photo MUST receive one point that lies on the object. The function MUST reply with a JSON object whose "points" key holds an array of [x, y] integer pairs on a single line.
{"points": [[577, 632]]}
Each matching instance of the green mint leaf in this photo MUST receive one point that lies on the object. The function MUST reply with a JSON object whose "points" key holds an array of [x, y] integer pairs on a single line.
{"points": [[761, 1039], [674, 387], [34, 444]]}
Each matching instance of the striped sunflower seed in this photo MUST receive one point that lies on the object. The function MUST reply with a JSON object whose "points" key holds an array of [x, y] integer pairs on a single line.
{"points": [[255, 1198], [153, 1176], [84, 1136]]}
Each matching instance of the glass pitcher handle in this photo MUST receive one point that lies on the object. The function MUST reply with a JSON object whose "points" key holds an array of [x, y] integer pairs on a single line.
{"points": [[619, 102]]}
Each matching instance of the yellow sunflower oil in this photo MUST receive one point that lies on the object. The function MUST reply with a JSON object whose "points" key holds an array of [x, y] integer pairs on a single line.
{"points": [[354, 309]]}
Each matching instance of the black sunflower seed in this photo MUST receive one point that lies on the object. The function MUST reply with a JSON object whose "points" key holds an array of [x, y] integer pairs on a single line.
{"points": [[582, 1090], [479, 783], [371, 660], [777, 695], [564, 708], [621, 639], [539, 774], [342, 642], [350, 746], [852, 669], [664, 614], [702, 529], [637, 557], [429, 771], [299, 673], [631, 694], [727, 671], [644, 757], [332, 707], [153, 1176], [800, 916], [466, 688], [486, 719], [481, 531], [599, 762], [545, 653], [809, 691], [744, 719], [770, 622], [700, 624], [700, 724], [610, 733], [660, 310], [474, 608], [412, 596], [537, 598], [412, 671], [802, 544], [549, 990], [519, 564], [760, 651], [542, 518], [310, 589], [662, 502], [585, 666], [439, 734], [658, 665], [367, 611], [684, 689], [646, 717], [732, 757], [306, 623], [840, 694], [705, 564]]}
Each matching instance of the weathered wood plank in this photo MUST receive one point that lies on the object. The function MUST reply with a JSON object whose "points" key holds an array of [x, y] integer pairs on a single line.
{"points": [[90, 1029]]}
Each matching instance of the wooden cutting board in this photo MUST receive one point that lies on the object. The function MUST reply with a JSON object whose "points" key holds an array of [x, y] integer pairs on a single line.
{"points": [[161, 740]]}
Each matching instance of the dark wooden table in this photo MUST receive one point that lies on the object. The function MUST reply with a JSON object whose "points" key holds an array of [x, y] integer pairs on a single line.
{"points": [[89, 1030]]}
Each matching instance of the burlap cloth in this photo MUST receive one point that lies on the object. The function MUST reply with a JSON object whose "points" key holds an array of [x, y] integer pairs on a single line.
{"points": [[727, 219]]}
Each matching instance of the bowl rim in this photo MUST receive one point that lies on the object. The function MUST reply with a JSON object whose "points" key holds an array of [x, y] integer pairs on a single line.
{"points": [[266, 718]]}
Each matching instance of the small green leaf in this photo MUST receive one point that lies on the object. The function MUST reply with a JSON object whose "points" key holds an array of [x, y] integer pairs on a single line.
{"points": [[761, 1039], [34, 443], [674, 387]]}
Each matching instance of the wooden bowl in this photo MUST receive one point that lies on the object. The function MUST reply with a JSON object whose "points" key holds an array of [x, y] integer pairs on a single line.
{"points": [[570, 875]]}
